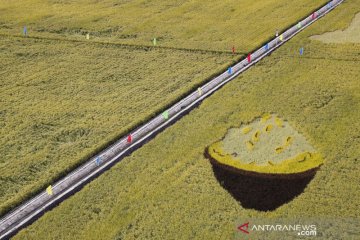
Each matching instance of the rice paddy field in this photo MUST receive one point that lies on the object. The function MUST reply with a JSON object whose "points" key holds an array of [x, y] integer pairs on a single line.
{"points": [[209, 25], [63, 97], [63, 101], [167, 189]]}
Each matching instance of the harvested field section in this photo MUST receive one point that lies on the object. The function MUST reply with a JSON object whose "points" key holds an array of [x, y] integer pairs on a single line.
{"points": [[348, 35], [61, 101]]}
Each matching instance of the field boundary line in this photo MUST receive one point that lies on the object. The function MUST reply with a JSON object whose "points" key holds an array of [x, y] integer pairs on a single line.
{"points": [[124, 45]]}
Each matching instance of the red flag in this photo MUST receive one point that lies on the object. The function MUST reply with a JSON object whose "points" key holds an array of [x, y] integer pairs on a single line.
{"points": [[313, 15], [233, 49], [249, 57], [129, 138]]}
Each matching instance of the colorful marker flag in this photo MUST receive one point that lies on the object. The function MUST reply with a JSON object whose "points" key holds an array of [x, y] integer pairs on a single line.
{"points": [[313, 16], [87, 36], [299, 25], [229, 70], [199, 91], [98, 161], [266, 47], [301, 51], [49, 190], [165, 114], [233, 49], [249, 57], [25, 31], [329, 5], [281, 37], [129, 138], [154, 41]]}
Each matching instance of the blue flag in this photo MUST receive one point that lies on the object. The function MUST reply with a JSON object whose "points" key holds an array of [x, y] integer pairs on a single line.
{"points": [[229, 70], [329, 5], [266, 47], [25, 31], [301, 51]]}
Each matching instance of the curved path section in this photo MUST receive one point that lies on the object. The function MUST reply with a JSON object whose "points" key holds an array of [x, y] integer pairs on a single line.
{"points": [[30, 210]]}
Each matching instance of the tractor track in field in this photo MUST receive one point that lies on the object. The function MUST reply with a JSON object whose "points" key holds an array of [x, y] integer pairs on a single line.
{"points": [[32, 209]]}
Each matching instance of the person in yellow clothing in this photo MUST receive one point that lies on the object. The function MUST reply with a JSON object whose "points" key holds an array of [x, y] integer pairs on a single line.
{"points": [[49, 190]]}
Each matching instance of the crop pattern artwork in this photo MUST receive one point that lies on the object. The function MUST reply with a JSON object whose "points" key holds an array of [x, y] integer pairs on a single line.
{"points": [[267, 159]]}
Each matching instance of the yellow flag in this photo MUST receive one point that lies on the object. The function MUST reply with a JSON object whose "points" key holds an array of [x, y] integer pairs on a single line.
{"points": [[49, 190], [281, 37], [199, 91], [87, 36]]}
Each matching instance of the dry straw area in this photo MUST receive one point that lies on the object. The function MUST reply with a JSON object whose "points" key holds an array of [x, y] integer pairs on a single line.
{"points": [[349, 35]]}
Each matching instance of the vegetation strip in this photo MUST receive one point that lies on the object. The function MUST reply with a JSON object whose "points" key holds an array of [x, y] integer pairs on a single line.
{"points": [[127, 45], [138, 136]]}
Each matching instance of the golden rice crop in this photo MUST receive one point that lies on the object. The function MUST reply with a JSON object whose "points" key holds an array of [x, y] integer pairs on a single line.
{"points": [[61, 102], [219, 25], [167, 189]]}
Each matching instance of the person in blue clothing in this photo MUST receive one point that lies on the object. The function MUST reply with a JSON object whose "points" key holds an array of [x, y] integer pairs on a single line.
{"points": [[25, 31]]}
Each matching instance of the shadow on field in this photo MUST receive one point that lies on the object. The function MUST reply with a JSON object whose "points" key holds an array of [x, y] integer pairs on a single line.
{"points": [[259, 192]]}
